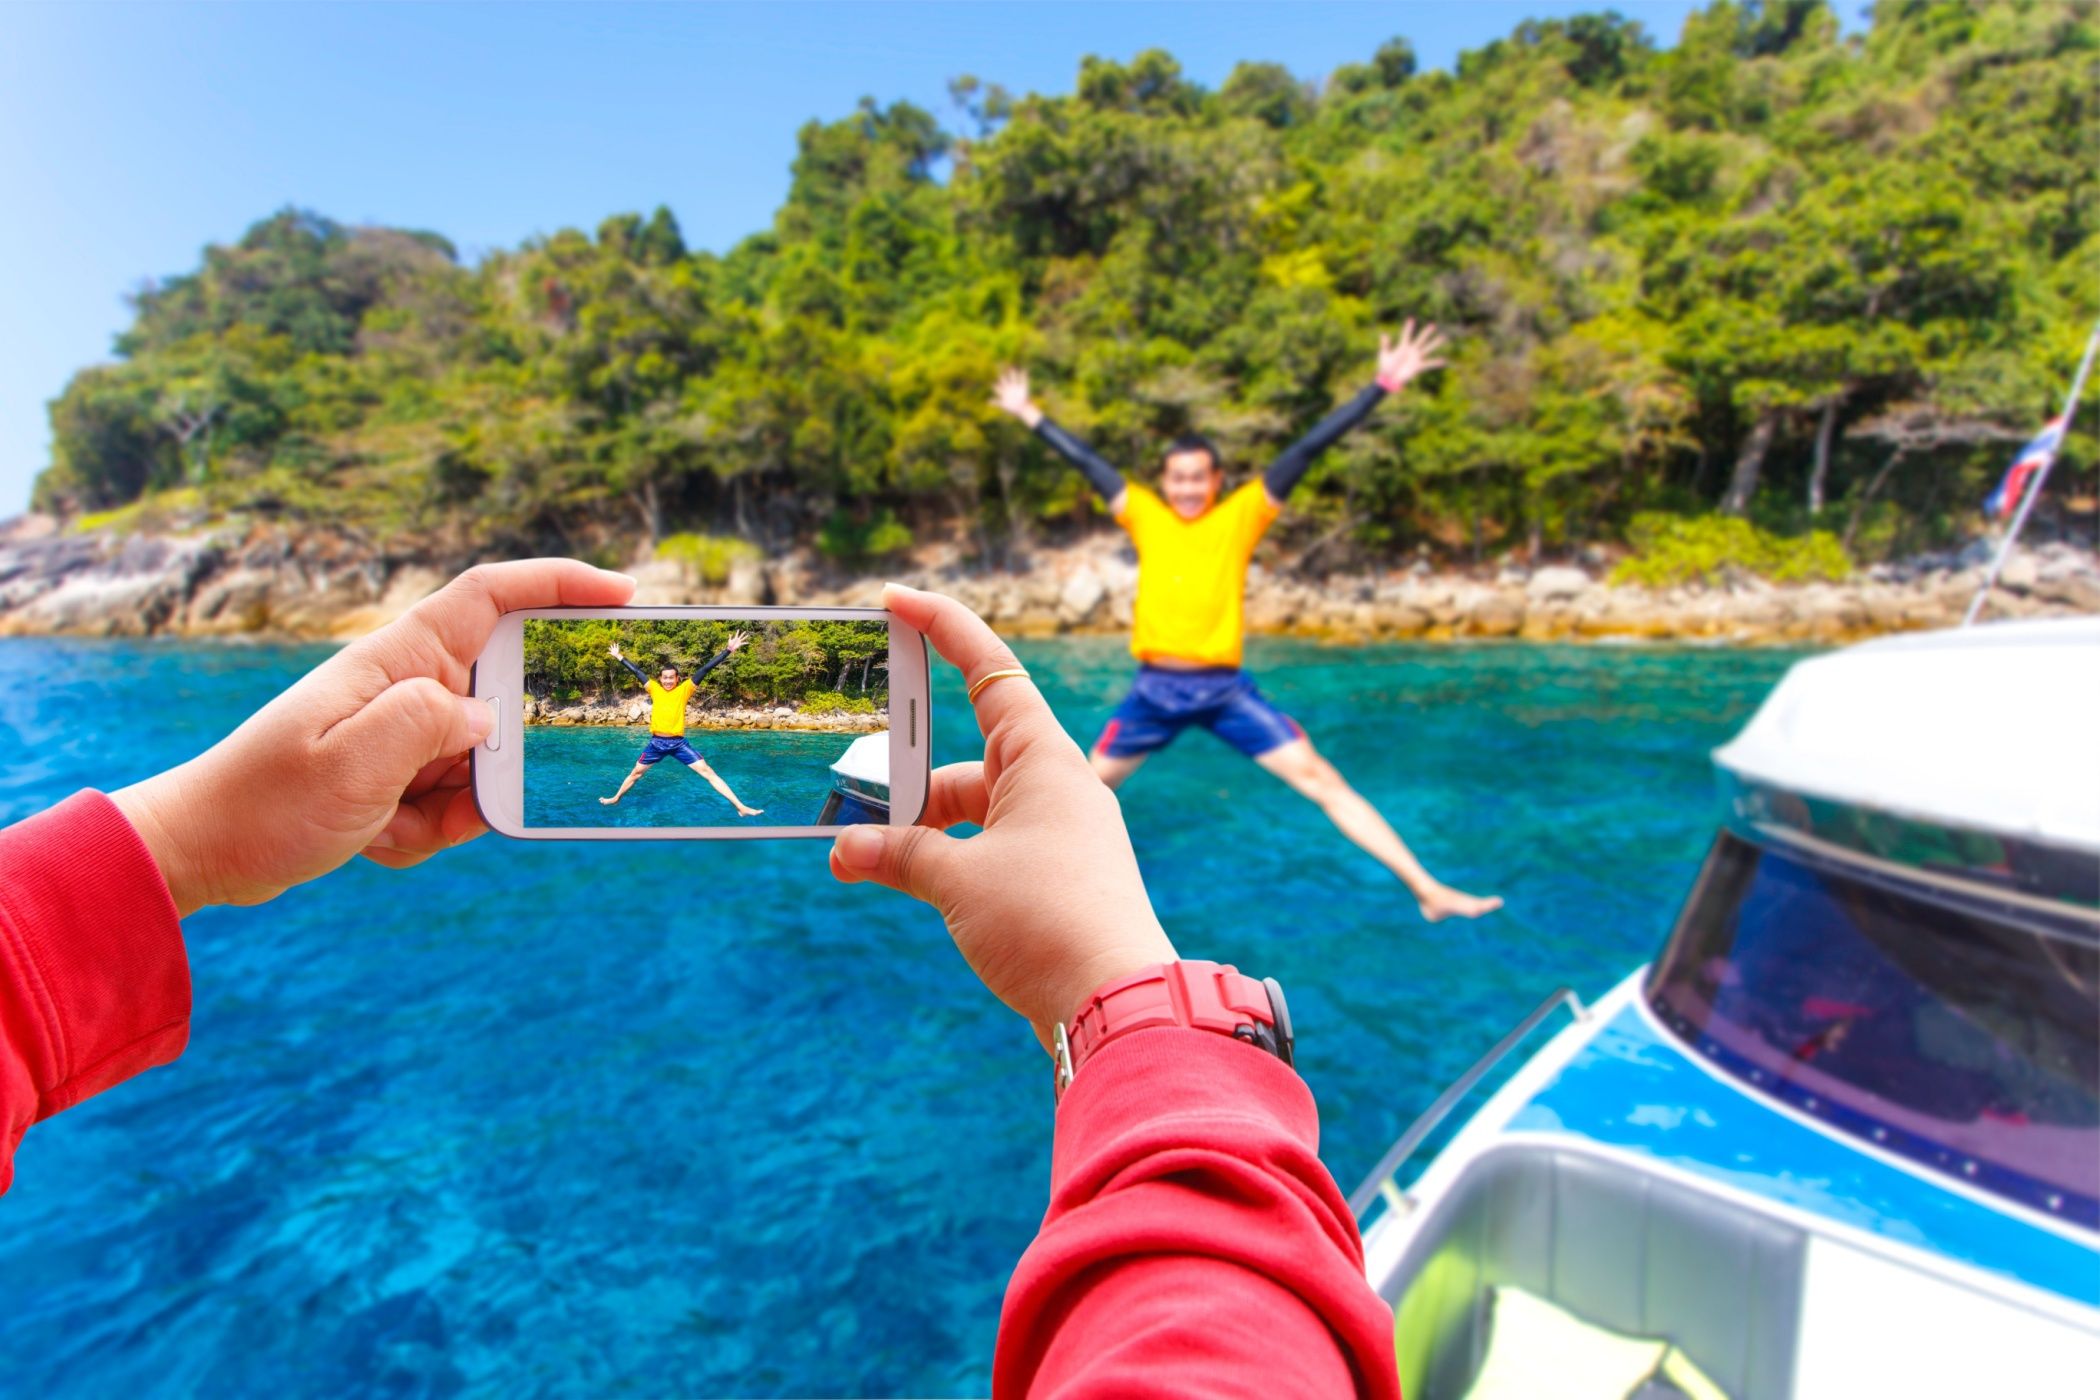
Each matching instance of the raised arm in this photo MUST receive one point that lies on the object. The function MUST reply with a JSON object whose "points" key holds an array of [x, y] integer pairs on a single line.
{"points": [[638, 673], [1398, 362], [736, 641], [1011, 394]]}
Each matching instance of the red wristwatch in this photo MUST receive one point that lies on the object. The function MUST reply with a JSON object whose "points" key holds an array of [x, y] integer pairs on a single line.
{"points": [[1204, 996]]}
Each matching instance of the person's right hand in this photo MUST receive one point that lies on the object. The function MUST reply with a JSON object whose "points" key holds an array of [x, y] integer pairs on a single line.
{"points": [[1011, 394], [615, 649], [1045, 903]]}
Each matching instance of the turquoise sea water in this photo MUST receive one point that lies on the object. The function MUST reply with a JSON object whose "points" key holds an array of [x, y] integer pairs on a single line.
{"points": [[561, 1118], [784, 773]]}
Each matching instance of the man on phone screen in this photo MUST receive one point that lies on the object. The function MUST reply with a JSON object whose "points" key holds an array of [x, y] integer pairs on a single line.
{"points": [[667, 700]]}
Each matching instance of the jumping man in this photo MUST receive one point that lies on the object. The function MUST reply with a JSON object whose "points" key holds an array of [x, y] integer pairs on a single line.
{"points": [[1193, 551], [667, 697]]}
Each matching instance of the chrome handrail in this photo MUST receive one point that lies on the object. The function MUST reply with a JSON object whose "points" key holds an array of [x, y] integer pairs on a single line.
{"points": [[1380, 1182]]}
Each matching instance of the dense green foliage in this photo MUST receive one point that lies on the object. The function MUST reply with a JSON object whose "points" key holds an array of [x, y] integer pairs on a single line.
{"points": [[1771, 270], [1672, 549], [822, 667]]}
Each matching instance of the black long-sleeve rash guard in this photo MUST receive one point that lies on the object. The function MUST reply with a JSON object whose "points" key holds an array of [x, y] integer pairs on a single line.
{"points": [[1281, 477], [1285, 472], [717, 659], [1104, 478]]}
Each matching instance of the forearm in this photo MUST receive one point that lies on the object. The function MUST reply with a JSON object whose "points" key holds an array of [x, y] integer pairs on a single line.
{"points": [[639, 674], [1194, 1243], [713, 661], [1286, 471], [94, 984], [1099, 474]]}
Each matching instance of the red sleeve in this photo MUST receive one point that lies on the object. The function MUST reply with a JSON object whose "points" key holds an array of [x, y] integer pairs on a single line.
{"points": [[94, 986], [1194, 1243]]}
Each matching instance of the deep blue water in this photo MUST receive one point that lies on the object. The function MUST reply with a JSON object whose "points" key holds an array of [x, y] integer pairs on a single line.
{"points": [[785, 773], [560, 1118]]}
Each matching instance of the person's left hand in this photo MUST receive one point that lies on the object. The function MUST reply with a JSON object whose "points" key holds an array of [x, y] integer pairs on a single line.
{"points": [[1403, 359], [366, 752]]}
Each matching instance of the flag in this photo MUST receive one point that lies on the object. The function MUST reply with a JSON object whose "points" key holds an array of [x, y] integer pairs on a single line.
{"points": [[2033, 458]]}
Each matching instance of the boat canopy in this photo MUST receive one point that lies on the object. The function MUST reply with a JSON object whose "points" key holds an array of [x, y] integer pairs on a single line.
{"points": [[866, 760], [1993, 728]]}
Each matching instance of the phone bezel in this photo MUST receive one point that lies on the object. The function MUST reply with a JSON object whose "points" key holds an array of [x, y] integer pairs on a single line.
{"points": [[499, 773]]}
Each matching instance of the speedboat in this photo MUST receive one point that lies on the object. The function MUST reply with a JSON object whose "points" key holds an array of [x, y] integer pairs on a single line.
{"points": [[1842, 1136], [860, 784]]}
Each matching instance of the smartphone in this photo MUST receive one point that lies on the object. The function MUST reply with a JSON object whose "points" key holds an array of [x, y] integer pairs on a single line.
{"points": [[637, 724]]}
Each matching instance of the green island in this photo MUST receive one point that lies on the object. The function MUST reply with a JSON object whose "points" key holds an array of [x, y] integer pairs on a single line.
{"points": [[1816, 285], [832, 671]]}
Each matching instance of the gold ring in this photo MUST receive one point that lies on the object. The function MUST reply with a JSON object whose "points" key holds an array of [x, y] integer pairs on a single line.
{"points": [[985, 680]]}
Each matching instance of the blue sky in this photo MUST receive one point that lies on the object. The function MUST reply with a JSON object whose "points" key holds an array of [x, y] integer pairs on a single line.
{"points": [[133, 134]]}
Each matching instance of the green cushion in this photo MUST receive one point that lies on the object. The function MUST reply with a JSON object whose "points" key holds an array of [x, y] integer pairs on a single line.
{"points": [[1537, 1350]]}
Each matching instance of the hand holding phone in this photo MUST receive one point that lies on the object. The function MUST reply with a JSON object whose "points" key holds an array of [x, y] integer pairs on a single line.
{"points": [[366, 752], [1046, 902]]}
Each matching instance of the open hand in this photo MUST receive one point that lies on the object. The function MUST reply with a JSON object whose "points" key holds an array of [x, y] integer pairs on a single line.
{"points": [[736, 640], [1010, 393], [1401, 360], [1045, 903], [615, 650], [366, 752]]}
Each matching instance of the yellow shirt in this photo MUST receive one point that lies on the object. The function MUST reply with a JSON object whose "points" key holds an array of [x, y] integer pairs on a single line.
{"points": [[1192, 574], [667, 708]]}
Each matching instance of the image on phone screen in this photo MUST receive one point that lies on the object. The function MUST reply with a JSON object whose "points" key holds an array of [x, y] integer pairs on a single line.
{"points": [[689, 722]]}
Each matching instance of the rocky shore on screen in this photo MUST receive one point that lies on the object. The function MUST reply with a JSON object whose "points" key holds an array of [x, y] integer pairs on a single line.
{"points": [[268, 581], [627, 712]]}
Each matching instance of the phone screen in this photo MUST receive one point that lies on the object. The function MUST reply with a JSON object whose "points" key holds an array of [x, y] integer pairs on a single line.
{"points": [[714, 722]]}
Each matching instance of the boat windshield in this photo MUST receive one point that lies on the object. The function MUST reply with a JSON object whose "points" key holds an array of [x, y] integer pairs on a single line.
{"points": [[1955, 1029]]}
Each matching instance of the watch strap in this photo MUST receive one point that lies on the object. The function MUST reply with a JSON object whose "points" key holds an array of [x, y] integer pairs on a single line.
{"points": [[1195, 994]]}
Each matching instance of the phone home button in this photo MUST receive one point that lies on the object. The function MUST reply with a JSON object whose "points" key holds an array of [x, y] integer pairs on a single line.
{"points": [[494, 741]]}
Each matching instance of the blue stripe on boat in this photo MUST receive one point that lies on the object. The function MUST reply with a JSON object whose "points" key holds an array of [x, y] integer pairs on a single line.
{"points": [[1632, 1089]]}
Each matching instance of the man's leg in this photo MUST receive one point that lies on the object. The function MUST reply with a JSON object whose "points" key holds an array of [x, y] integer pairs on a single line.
{"points": [[1113, 770], [1313, 777], [639, 769], [714, 780]]}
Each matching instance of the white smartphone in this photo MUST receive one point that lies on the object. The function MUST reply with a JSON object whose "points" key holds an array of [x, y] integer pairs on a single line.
{"points": [[637, 724]]}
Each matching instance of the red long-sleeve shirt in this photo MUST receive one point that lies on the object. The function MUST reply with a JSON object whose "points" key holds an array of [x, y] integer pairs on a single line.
{"points": [[1194, 1244]]}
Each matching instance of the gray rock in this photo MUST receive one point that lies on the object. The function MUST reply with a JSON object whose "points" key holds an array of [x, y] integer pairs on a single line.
{"points": [[1557, 581], [1080, 598]]}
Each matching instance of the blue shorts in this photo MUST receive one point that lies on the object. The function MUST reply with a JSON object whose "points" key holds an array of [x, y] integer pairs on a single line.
{"points": [[659, 748], [1223, 700]]}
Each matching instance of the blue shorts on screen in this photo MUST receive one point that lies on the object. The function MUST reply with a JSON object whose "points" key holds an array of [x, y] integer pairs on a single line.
{"points": [[1222, 699], [659, 748]]}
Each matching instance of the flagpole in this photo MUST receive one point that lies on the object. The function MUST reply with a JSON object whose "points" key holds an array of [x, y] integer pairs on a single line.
{"points": [[2034, 490]]}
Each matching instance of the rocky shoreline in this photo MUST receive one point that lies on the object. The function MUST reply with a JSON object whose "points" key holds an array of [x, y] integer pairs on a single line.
{"points": [[630, 712], [268, 582]]}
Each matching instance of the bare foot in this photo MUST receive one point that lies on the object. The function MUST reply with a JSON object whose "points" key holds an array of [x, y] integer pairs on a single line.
{"points": [[608, 801], [1443, 902], [744, 811]]}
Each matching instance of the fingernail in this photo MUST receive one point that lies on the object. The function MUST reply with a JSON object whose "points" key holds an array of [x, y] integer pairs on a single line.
{"points": [[859, 848], [480, 719], [615, 573], [381, 842]]}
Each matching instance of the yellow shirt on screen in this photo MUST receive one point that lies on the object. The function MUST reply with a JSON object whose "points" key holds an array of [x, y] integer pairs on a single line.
{"points": [[1192, 574], [667, 708]]}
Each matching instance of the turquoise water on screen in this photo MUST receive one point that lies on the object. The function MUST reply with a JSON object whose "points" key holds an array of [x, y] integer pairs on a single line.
{"points": [[785, 773], [581, 1118]]}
